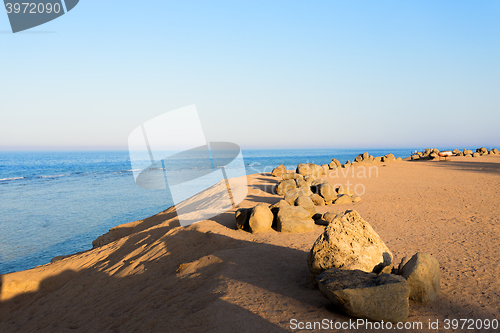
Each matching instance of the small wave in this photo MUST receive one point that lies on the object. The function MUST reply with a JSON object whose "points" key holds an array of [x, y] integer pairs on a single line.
{"points": [[14, 178], [53, 176], [133, 170]]}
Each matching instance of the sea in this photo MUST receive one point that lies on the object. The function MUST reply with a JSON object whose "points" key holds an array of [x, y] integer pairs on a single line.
{"points": [[55, 203]]}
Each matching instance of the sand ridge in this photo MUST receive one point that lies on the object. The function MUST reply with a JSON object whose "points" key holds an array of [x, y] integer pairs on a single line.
{"points": [[154, 275]]}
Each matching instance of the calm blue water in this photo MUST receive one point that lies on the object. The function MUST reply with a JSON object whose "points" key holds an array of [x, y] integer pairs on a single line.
{"points": [[57, 203]]}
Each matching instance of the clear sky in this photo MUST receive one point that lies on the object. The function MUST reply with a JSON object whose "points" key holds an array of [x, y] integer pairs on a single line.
{"points": [[329, 74]]}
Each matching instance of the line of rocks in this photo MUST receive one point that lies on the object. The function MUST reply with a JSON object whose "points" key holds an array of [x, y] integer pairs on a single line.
{"points": [[433, 153], [353, 268]]}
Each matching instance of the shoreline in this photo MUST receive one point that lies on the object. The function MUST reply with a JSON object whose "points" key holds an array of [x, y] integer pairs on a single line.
{"points": [[409, 204]]}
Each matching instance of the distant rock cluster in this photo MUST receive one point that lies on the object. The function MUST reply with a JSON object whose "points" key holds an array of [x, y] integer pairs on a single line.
{"points": [[434, 154], [353, 268]]}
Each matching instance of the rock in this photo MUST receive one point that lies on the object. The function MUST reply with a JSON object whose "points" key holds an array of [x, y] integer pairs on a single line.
{"points": [[330, 216], [327, 191], [389, 158], [294, 219], [336, 162], [482, 151], [279, 171], [347, 164], [344, 190], [365, 156], [261, 218], [317, 199], [307, 204], [422, 274], [433, 156], [399, 159], [467, 152], [326, 168], [281, 203], [356, 198], [304, 169], [367, 295], [293, 194], [332, 165], [415, 157], [242, 217], [476, 155], [292, 175], [456, 152], [316, 170], [494, 151], [309, 179], [301, 183], [343, 199], [275, 208], [359, 158], [349, 242], [285, 186], [377, 159]]}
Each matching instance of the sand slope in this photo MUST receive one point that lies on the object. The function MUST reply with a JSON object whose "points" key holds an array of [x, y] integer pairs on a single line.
{"points": [[208, 277]]}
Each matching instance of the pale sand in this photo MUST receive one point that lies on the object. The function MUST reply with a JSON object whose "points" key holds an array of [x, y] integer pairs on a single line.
{"points": [[208, 277]]}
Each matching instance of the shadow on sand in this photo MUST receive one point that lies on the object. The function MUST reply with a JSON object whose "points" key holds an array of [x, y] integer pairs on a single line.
{"points": [[137, 287]]}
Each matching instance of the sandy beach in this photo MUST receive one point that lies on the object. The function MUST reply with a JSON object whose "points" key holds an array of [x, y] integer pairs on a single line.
{"points": [[154, 275]]}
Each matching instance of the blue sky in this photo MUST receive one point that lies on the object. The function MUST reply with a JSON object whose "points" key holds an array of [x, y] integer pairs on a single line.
{"points": [[263, 74]]}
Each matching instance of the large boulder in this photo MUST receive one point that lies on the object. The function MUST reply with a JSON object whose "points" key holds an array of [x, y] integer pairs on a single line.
{"points": [[422, 274], [261, 218], [307, 204], [285, 186], [476, 154], [494, 151], [349, 242], [279, 171], [327, 191], [366, 295], [304, 169], [456, 152], [293, 194], [294, 219], [415, 157]]}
